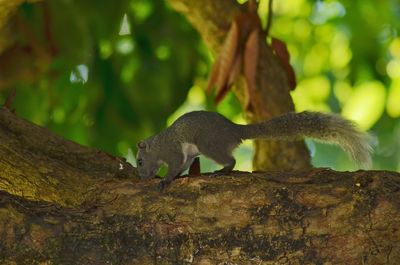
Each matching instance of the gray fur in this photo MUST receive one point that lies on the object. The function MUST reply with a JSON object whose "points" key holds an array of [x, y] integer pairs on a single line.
{"points": [[327, 128], [216, 137]]}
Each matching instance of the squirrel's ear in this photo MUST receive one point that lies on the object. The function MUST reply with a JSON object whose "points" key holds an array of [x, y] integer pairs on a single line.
{"points": [[141, 145]]}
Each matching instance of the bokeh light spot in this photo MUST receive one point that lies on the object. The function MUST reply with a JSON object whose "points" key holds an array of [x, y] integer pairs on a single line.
{"points": [[393, 68], [311, 94], [106, 48], [366, 104], [393, 101], [141, 9], [125, 45], [394, 47], [163, 52]]}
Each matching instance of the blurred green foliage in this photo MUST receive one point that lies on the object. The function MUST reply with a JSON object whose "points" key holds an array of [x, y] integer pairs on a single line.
{"points": [[346, 56], [124, 70]]}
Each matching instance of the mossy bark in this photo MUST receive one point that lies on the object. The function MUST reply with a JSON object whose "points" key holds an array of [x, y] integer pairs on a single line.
{"points": [[38, 165], [212, 20], [61, 203]]}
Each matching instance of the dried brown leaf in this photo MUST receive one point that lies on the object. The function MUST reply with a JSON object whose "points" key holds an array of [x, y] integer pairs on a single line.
{"points": [[284, 57], [236, 69], [213, 76], [221, 93], [233, 76], [227, 55], [240, 46], [250, 64]]}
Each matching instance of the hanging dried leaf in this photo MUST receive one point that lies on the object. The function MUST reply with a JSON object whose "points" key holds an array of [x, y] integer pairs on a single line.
{"points": [[250, 64], [236, 69], [240, 47], [227, 55], [233, 76], [284, 57]]}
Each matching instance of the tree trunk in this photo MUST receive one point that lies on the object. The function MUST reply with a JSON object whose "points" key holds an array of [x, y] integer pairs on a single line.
{"points": [[61, 203], [212, 19]]}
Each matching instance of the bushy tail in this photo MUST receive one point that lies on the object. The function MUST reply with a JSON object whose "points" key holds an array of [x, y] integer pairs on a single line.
{"points": [[328, 128]]}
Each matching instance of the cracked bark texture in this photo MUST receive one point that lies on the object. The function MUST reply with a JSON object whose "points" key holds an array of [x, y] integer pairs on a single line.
{"points": [[212, 20], [62, 203]]}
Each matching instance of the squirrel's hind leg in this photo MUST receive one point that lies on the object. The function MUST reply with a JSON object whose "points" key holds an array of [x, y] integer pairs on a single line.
{"points": [[225, 159], [220, 152]]}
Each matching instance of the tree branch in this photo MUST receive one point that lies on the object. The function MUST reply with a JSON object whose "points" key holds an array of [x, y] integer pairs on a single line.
{"points": [[39, 165], [313, 217]]}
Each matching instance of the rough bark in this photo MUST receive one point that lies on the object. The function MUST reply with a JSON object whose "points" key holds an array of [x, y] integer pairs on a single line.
{"points": [[212, 19], [61, 203], [38, 165]]}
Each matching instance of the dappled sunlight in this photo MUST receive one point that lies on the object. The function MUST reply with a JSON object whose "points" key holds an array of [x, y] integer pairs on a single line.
{"points": [[129, 69], [394, 47], [311, 94], [59, 115], [325, 33], [342, 91], [341, 54], [393, 99], [106, 48], [324, 11], [393, 68], [366, 104], [142, 9], [316, 60], [302, 29], [163, 52], [296, 8], [284, 24], [125, 45]]}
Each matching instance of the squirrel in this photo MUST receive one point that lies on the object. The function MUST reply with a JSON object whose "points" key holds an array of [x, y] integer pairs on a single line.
{"points": [[214, 136]]}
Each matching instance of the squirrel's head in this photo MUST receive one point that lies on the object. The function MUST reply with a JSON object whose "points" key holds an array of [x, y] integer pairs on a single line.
{"points": [[147, 163]]}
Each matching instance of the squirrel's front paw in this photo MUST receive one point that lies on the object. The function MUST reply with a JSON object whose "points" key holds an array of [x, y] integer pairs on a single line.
{"points": [[163, 185]]}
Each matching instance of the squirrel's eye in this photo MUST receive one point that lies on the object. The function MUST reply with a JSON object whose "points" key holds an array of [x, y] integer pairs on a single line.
{"points": [[140, 162]]}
